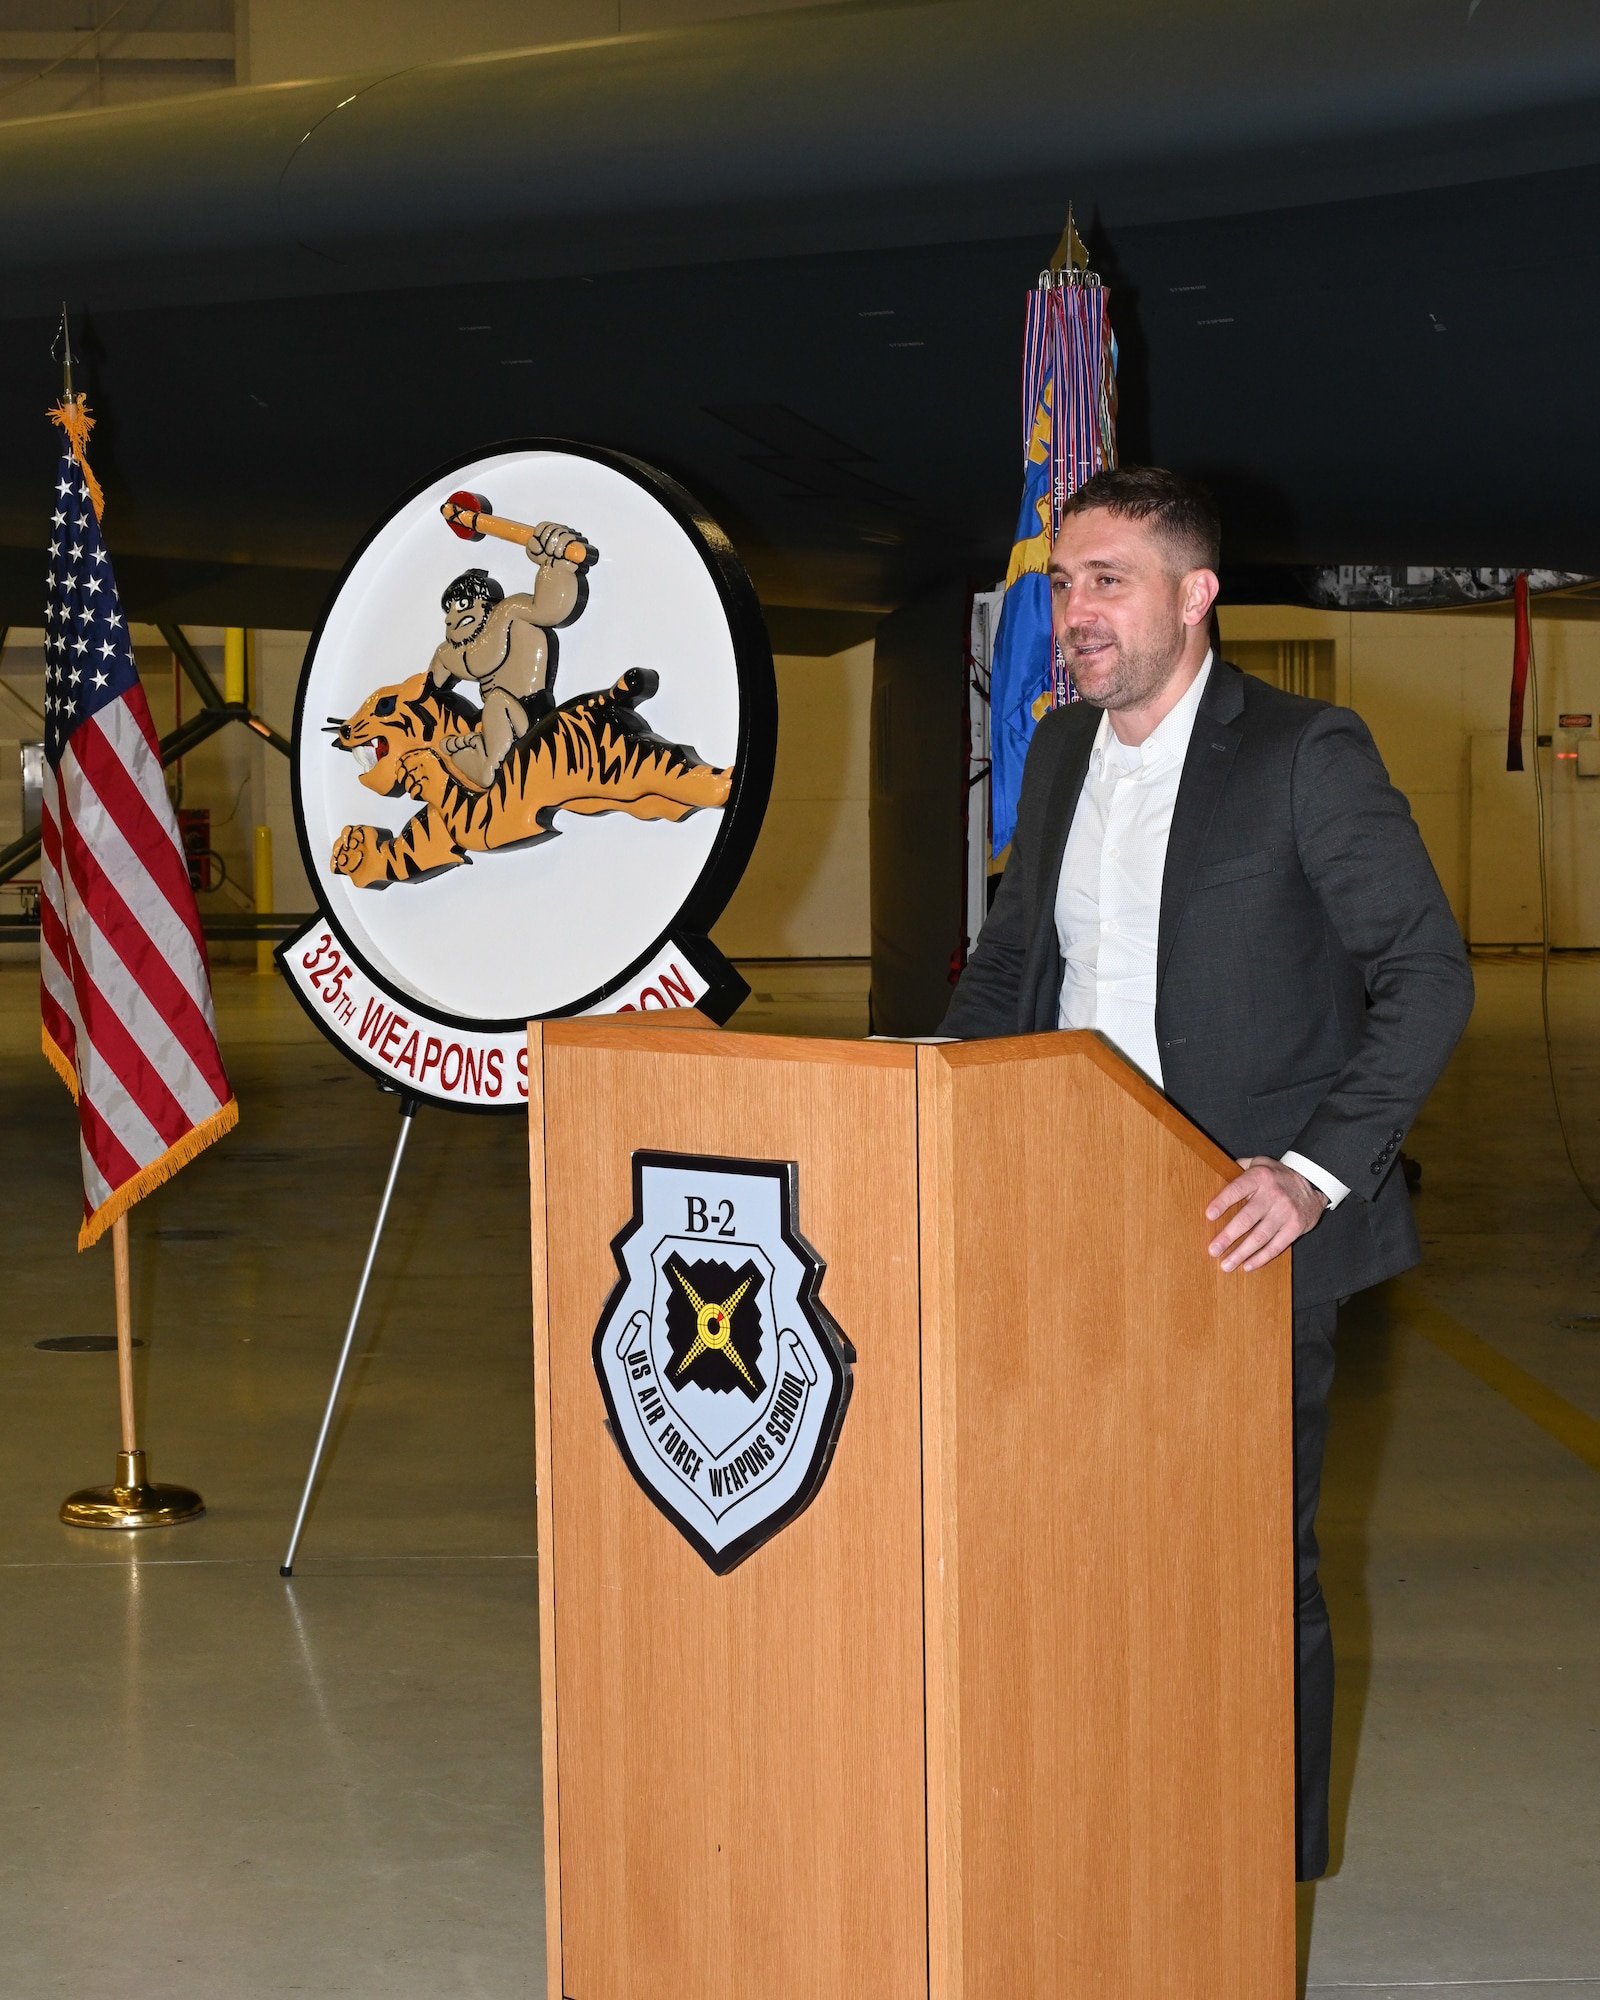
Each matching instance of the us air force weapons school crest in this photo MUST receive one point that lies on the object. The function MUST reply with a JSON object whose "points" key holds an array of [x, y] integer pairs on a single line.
{"points": [[725, 1379]]}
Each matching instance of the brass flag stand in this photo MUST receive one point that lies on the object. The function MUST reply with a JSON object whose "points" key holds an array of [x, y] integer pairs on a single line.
{"points": [[130, 1501]]}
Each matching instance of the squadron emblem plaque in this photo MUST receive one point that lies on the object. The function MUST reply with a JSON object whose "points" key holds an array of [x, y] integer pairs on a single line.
{"points": [[724, 1377], [533, 743]]}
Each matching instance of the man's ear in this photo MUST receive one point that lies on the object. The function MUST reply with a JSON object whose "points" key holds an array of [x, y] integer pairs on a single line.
{"points": [[1197, 593]]}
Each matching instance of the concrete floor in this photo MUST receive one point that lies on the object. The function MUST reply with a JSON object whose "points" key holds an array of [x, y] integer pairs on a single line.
{"points": [[219, 1787], [1462, 1543]]}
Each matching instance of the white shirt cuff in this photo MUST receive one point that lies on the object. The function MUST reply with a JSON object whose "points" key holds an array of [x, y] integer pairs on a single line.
{"points": [[1319, 1177]]}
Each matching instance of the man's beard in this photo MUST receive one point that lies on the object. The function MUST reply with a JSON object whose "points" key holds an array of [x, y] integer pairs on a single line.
{"points": [[467, 638], [1132, 676]]}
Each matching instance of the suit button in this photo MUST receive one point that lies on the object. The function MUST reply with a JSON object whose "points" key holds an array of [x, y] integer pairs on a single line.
{"points": [[1377, 1166]]}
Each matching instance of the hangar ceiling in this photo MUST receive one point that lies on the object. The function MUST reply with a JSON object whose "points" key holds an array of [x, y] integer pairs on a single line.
{"points": [[784, 258]]}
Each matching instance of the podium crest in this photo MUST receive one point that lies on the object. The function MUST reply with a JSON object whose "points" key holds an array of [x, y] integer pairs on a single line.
{"points": [[724, 1377]]}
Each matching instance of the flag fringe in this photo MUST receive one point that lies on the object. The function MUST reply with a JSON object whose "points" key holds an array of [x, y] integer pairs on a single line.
{"points": [[72, 414], [221, 1120], [59, 1061]]}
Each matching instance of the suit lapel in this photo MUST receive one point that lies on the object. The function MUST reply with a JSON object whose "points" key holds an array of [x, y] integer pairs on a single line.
{"points": [[1077, 736], [1213, 745]]}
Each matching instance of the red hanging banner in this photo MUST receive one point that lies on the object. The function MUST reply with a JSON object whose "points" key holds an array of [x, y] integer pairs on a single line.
{"points": [[1519, 675]]}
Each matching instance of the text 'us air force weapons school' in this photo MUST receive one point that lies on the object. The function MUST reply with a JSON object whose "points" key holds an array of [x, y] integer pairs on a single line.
{"points": [[725, 1379]]}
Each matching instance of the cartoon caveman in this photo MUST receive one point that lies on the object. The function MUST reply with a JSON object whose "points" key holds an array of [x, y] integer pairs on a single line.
{"points": [[505, 645]]}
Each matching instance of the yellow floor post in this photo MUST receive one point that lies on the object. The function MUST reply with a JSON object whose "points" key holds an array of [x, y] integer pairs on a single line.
{"points": [[263, 894], [233, 688]]}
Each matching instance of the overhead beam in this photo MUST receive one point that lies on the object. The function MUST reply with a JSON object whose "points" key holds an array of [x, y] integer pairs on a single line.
{"points": [[15, 858], [242, 927], [175, 744], [199, 673], [192, 664], [110, 45]]}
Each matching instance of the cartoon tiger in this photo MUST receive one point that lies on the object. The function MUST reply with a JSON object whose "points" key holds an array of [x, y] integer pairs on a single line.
{"points": [[593, 754]]}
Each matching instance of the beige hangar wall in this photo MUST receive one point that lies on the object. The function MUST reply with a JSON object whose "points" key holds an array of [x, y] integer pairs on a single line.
{"points": [[804, 894], [1429, 685], [1433, 688]]}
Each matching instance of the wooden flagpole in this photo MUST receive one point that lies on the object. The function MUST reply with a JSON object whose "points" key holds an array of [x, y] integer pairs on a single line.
{"points": [[130, 1501]]}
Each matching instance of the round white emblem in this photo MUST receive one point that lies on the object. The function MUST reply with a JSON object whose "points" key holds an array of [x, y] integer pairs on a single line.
{"points": [[532, 748]]}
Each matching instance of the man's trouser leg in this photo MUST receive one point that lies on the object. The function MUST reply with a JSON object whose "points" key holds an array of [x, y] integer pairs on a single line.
{"points": [[1313, 1378]]}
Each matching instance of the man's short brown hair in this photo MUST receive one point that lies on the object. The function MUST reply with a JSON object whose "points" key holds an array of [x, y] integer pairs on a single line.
{"points": [[1183, 514]]}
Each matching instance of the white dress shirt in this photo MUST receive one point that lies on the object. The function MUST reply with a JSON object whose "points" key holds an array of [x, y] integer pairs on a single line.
{"points": [[1108, 899]]}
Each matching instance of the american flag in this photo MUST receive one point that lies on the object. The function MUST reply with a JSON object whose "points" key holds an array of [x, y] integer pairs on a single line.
{"points": [[125, 990]]}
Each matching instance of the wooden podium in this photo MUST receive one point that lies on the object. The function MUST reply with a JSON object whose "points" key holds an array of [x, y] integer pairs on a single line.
{"points": [[1007, 1713]]}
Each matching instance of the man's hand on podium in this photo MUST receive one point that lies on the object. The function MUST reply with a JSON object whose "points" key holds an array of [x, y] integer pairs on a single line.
{"points": [[1277, 1206]]}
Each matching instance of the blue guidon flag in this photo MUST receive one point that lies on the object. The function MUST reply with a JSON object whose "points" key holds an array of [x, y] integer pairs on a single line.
{"points": [[125, 990], [1069, 404]]}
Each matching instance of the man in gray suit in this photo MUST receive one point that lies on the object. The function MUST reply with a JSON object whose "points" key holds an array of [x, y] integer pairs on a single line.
{"points": [[1221, 879]]}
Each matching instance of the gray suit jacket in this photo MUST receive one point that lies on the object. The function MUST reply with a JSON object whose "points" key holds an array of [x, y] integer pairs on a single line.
{"points": [[1311, 981]]}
